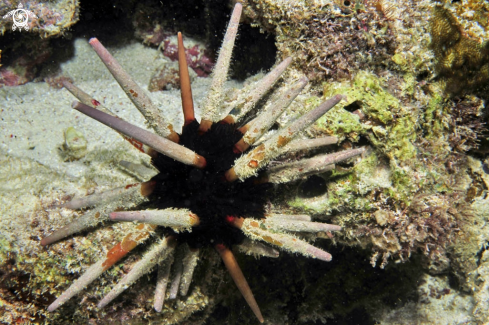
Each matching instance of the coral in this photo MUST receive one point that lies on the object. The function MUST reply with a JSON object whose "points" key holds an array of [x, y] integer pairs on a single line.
{"points": [[412, 194], [461, 60], [472, 16], [196, 53], [379, 201]]}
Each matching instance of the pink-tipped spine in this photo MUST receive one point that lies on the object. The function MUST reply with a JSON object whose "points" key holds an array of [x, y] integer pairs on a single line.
{"points": [[180, 218], [162, 283], [160, 144], [135, 93], [157, 253], [214, 97]]}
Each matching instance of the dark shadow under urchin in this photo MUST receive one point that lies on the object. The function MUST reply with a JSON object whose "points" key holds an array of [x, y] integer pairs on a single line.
{"points": [[297, 290]]}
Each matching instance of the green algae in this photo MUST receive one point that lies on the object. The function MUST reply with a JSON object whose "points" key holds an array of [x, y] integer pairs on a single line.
{"points": [[343, 191], [389, 126], [436, 115], [368, 90]]}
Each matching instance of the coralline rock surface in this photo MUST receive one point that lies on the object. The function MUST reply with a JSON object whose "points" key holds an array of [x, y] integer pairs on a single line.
{"points": [[53, 17], [414, 75], [329, 39], [27, 53]]}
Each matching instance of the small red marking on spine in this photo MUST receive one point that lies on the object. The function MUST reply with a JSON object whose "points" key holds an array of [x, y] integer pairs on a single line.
{"points": [[95, 102], [138, 145], [131, 185], [230, 219]]}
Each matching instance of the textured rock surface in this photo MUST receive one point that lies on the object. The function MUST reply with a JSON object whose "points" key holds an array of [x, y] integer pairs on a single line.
{"points": [[53, 17]]}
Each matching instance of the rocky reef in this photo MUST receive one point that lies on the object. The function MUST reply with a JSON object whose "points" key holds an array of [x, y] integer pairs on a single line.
{"points": [[51, 18], [43, 21], [414, 209]]}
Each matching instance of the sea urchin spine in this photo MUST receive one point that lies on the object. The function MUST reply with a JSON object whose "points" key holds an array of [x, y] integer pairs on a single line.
{"points": [[212, 186], [135, 93], [210, 113]]}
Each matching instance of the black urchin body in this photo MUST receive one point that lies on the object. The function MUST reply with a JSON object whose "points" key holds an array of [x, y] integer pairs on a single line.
{"points": [[206, 192]]}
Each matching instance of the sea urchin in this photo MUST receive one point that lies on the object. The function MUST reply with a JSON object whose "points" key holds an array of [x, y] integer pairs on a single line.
{"points": [[212, 186]]}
